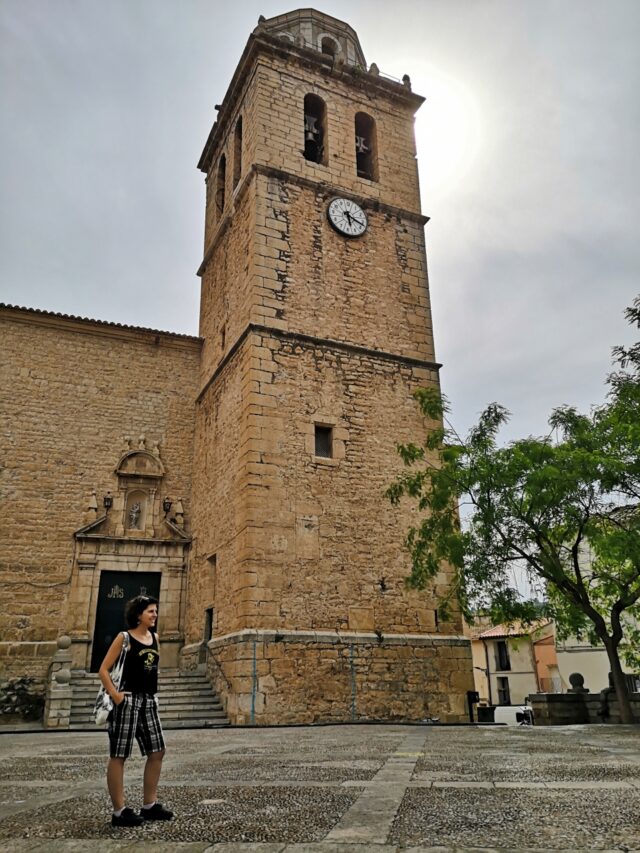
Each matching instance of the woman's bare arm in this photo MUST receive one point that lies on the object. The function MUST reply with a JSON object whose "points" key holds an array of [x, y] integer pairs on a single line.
{"points": [[109, 659]]}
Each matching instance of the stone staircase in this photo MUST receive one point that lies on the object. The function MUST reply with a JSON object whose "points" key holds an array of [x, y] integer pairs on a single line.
{"points": [[186, 699]]}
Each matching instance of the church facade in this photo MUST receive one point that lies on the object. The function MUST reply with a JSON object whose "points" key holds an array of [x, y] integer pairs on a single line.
{"points": [[239, 475]]}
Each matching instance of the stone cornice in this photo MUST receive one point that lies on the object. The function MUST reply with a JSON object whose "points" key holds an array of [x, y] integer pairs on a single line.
{"points": [[183, 542], [87, 326], [330, 189], [345, 637], [326, 188], [311, 340]]}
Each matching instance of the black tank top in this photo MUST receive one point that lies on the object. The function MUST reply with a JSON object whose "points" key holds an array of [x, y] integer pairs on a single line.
{"points": [[140, 673]]}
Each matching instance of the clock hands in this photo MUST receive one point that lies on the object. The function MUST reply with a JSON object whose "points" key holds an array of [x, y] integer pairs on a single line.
{"points": [[353, 219]]}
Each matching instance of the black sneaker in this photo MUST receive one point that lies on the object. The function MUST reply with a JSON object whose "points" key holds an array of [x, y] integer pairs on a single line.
{"points": [[127, 818], [156, 812]]}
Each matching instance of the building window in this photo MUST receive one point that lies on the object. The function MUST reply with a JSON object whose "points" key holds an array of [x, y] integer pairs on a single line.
{"points": [[315, 122], [237, 153], [324, 441], [328, 46], [502, 656], [366, 147], [504, 697], [221, 180], [208, 624]]}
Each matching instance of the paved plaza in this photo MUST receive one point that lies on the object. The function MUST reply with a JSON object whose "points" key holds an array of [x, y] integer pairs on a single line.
{"points": [[335, 788]]}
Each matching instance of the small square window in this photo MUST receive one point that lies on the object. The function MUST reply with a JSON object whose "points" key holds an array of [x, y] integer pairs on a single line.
{"points": [[324, 441]]}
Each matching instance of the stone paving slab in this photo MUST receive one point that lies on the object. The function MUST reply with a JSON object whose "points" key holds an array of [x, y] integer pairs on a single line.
{"points": [[345, 789]]}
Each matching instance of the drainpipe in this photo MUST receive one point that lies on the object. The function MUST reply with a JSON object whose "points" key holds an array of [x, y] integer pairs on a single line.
{"points": [[353, 682], [254, 682]]}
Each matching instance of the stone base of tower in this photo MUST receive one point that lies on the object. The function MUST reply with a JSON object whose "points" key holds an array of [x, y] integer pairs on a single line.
{"points": [[271, 678]]}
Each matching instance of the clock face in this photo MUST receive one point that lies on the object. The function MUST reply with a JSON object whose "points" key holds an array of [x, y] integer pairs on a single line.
{"points": [[347, 217]]}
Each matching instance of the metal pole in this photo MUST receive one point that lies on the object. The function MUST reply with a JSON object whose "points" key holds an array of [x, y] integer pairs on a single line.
{"points": [[353, 682], [254, 684]]}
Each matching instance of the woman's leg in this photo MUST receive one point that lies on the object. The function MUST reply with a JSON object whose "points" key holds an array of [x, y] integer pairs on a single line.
{"points": [[115, 782], [152, 775]]}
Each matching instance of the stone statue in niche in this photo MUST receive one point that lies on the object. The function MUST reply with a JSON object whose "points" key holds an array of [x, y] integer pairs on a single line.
{"points": [[134, 516]]}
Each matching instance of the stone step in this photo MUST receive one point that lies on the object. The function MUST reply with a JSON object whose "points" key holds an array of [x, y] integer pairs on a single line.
{"points": [[92, 689], [83, 675], [186, 700], [166, 677], [88, 691], [165, 706]]}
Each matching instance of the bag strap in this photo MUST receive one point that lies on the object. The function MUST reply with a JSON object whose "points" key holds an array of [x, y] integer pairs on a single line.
{"points": [[119, 667]]}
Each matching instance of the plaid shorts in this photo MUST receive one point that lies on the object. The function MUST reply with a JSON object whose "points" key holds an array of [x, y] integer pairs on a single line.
{"points": [[136, 716]]}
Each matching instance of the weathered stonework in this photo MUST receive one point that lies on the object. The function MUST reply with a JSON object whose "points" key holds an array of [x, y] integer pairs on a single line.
{"points": [[303, 327], [280, 570], [326, 676], [71, 390], [570, 709]]}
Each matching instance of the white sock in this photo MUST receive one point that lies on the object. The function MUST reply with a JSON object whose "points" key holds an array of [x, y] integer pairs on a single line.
{"points": [[118, 812], [149, 805]]}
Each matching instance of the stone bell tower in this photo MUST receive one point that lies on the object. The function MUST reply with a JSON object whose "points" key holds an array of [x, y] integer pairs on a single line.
{"points": [[317, 329]]}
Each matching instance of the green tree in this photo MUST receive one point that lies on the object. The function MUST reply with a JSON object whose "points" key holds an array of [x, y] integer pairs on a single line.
{"points": [[563, 509]]}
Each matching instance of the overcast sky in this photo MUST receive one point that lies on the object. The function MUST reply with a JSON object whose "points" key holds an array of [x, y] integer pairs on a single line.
{"points": [[527, 148]]}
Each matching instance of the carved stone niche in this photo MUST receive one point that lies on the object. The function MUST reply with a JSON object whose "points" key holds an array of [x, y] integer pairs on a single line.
{"points": [[139, 474]]}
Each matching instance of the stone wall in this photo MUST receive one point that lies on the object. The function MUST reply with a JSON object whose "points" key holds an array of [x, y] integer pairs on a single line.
{"points": [[221, 481], [69, 391], [309, 677], [285, 539], [371, 292], [566, 709]]}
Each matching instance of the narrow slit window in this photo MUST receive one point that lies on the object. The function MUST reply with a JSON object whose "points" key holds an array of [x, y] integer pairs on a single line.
{"points": [[315, 129], [366, 147], [221, 180], [237, 153], [503, 661], [324, 441], [208, 624], [504, 694]]}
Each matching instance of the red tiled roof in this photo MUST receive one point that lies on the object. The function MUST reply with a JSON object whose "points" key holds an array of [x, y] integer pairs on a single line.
{"points": [[515, 630]]}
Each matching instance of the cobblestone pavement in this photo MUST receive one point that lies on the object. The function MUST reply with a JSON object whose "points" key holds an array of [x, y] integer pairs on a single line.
{"points": [[335, 789]]}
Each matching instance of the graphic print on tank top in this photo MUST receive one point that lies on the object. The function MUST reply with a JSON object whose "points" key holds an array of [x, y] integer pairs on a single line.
{"points": [[141, 667]]}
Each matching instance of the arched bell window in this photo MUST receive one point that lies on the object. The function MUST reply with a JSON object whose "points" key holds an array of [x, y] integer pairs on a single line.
{"points": [[221, 179], [315, 129], [328, 46], [366, 147], [237, 153]]}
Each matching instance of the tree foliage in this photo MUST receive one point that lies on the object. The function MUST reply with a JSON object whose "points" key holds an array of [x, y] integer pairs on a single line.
{"points": [[562, 509]]}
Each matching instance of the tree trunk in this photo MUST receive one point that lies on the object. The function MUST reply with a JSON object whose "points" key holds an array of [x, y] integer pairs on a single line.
{"points": [[619, 682]]}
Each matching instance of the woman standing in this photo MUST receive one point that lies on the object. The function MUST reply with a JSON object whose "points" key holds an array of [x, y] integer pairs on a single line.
{"points": [[135, 712]]}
